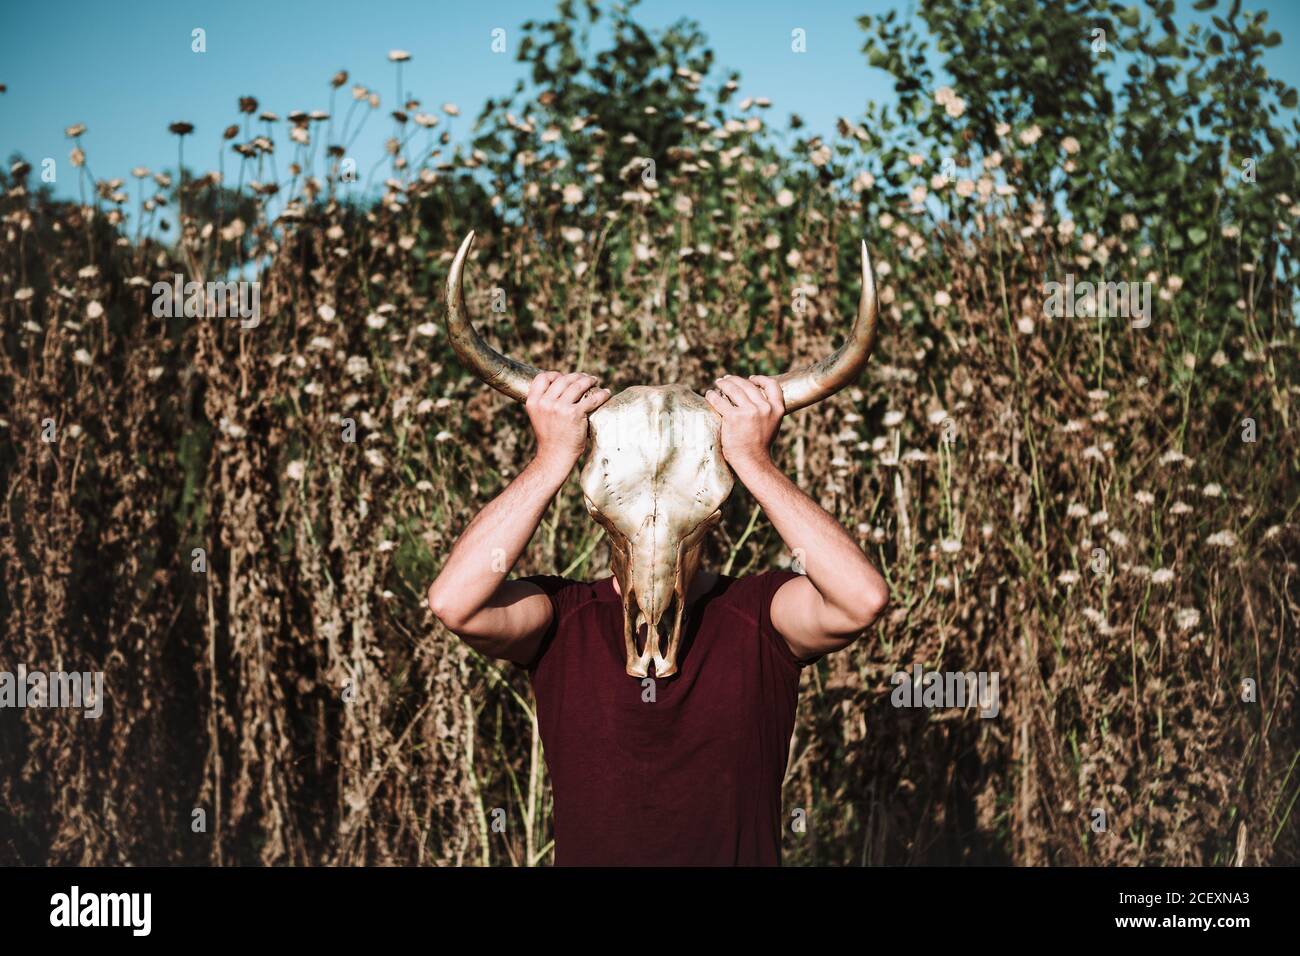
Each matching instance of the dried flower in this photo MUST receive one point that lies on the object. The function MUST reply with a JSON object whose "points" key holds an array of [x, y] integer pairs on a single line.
{"points": [[1222, 539]]}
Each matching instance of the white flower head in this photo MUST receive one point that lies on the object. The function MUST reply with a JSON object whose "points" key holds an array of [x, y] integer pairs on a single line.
{"points": [[1222, 539]]}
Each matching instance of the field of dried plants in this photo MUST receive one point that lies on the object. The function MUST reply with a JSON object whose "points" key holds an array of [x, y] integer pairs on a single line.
{"points": [[1068, 502]]}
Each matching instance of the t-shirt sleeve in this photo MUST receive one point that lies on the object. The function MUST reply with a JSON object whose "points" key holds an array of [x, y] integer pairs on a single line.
{"points": [[767, 584], [561, 592]]}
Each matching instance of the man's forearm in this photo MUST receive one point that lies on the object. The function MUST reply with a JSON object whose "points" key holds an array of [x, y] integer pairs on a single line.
{"points": [[830, 558], [494, 540]]}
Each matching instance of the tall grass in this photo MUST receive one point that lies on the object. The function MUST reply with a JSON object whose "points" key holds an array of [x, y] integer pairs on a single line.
{"points": [[299, 693]]}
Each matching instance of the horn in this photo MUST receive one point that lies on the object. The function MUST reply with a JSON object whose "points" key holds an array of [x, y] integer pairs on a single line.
{"points": [[806, 386], [504, 374]]}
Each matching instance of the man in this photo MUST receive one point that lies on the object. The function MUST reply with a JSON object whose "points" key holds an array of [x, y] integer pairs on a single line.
{"points": [[685, 769]]}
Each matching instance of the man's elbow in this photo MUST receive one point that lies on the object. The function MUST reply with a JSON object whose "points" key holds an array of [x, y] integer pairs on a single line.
{"points": [[877, 603], [866, 612], [445, 610]]}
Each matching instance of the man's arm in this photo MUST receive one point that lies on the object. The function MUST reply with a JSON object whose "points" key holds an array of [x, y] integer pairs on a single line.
{"points": [[497, 617], [841, 594]]}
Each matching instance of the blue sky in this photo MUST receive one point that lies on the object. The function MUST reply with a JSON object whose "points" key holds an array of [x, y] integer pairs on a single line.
{"points": [[126, 68]]}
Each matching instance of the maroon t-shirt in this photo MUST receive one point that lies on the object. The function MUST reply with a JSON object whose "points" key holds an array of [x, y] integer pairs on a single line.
{"points": [[690, 778]]}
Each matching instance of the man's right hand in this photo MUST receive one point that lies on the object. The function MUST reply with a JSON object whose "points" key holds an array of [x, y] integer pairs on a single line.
{"points": [[505, 618], [558, 406]]}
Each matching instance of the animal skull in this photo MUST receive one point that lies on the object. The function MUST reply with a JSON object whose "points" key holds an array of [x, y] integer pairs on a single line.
{"points": [[655, 478]]}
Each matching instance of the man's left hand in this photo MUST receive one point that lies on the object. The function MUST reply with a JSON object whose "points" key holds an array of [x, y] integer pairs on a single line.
{"points": [[751, 410]]}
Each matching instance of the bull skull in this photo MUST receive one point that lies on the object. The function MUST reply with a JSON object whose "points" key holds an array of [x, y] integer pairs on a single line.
{"points": [[655, 478]]}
